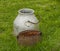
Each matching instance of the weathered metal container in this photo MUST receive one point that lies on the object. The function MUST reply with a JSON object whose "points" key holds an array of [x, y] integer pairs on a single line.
{"points": [[26, 27], [25, 20], [29, 37]]}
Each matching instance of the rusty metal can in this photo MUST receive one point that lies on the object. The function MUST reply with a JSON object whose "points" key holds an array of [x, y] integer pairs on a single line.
{"points": [[29, 37]]}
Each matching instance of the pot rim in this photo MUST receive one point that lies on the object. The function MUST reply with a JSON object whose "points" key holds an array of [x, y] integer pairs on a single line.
{"points": [[26, 11]]}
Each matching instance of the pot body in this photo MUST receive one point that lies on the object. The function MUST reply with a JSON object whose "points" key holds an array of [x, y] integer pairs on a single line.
{"points": [[25, 21]]}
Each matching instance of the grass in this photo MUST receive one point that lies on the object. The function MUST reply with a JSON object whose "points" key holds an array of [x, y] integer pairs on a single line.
{"points": [[47, 11]]}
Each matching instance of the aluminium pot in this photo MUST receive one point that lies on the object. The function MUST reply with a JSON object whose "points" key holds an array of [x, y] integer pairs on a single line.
{"points": [[25, 20]]}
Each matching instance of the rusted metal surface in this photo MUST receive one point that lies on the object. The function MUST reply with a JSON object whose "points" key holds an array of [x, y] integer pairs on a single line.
{"points": [[29, 37]]}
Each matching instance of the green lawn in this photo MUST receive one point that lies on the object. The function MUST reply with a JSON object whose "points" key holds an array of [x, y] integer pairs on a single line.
{"points": [[47, 11]]}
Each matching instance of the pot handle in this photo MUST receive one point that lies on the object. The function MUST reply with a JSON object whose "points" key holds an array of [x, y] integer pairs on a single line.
{"points": [[29, 22]]}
